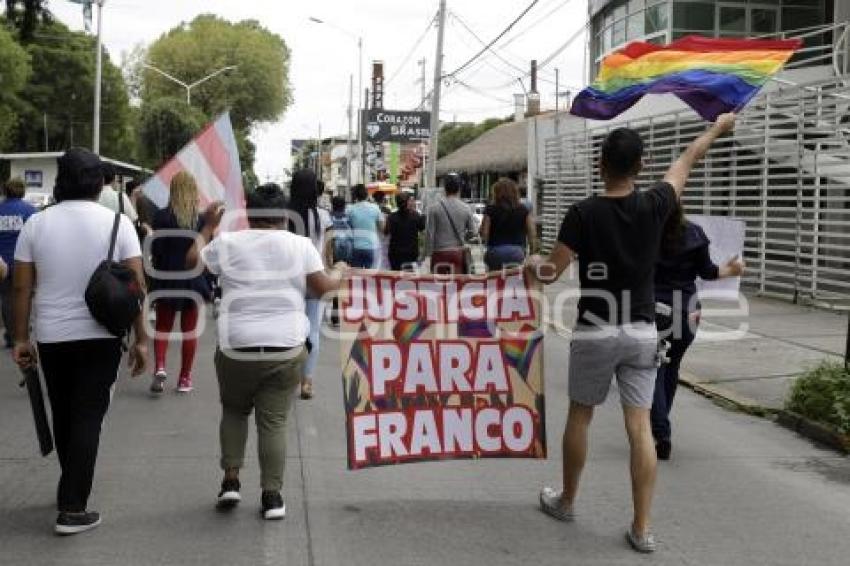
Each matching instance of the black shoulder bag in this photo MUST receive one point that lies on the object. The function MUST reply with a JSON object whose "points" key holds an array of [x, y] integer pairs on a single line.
{"points": [[113, 295]]}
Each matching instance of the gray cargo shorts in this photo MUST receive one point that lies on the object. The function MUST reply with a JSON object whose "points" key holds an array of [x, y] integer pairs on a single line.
{"points": [[597, 354]]}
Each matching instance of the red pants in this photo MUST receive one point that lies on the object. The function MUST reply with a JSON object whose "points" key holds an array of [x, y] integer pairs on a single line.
{"points": [[165, 315]]}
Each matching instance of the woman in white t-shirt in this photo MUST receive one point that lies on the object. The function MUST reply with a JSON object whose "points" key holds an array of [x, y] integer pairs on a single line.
{"points": [[266, 273], [307, 219], [56, 254]]}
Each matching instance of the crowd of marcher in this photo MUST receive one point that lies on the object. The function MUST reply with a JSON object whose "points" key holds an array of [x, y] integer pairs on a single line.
{"points": [[274, 275]]}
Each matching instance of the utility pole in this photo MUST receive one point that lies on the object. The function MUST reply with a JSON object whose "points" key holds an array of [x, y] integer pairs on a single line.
{"points": [[423, 80], [431, 179], [363, 141], [350, 142], [423, 84], [95, 146]]}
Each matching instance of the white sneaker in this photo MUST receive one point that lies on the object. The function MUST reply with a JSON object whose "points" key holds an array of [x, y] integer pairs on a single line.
{"points": [[273, 507], [645, 544], [552, 505]]}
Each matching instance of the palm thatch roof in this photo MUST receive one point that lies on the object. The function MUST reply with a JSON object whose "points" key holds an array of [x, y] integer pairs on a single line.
{"points": [[504, 149]]}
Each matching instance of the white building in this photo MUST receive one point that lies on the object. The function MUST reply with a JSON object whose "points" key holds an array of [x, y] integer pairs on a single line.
{"points": [[38, 171]]}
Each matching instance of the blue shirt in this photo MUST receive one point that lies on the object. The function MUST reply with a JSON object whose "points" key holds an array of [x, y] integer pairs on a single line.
{"points": [[14, 212], [364, 217]]}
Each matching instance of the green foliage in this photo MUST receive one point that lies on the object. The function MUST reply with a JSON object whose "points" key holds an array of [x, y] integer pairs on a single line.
{"points": [[62, 87], [256, 91], [823, 394], [25, 15], [165, 125], [15, 69], [457, 134]]}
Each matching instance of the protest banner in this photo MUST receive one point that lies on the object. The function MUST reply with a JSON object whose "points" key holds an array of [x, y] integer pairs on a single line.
{"points": [[437, 368], [727, 241]]}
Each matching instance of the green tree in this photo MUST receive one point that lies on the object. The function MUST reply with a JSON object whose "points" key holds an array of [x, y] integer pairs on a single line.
{"points": [[165, 125], [256, 91], [455, 135], [62, 90], [25, 15], [15, 69]]}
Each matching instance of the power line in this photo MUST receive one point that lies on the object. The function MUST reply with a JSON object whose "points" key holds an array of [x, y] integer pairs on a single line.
{"points": [[497, 38], [517, 68], [412, 50], [535, 24], [550, 57]]}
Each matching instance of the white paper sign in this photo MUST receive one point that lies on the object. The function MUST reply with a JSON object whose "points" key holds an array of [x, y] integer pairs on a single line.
{"points": [[727, 241]]}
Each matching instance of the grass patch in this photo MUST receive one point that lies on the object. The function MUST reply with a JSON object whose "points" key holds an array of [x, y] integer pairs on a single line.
{"points": [[823, 395]]}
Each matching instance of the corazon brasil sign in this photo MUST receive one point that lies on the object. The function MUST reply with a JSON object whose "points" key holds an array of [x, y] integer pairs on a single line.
{"points": [[396, 126]]}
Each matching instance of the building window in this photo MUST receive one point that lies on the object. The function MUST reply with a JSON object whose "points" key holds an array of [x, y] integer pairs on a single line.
{"points": [[635, 27], [655, 18], [618, 35], [693, 16]]}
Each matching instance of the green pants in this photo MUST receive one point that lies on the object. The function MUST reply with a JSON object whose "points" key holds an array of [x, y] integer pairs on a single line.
{"points": [[265, 383]]}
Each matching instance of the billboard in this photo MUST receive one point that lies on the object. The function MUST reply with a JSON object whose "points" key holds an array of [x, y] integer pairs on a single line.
{"points": [[396, 126]]}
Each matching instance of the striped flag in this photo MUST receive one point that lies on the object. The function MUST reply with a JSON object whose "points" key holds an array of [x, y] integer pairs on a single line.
{"points": [[213, 159]]}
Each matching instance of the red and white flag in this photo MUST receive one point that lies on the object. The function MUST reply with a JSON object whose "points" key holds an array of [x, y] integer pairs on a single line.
{"points": [[213, 159]]}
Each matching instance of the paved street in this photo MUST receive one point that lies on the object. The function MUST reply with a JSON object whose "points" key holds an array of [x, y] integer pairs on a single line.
{"points": [[739, 490]]}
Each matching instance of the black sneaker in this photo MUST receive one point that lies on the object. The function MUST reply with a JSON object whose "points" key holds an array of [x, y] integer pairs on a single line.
{"points": [[273, 507], [229, 496], [75, 523], [663, 449]]}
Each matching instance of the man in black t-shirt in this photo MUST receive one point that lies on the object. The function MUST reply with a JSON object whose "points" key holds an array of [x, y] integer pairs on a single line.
{"points": [[616, 238]]}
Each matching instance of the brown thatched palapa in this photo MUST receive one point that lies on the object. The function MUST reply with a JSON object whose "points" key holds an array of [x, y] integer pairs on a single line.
{"points": [[504, 149]]}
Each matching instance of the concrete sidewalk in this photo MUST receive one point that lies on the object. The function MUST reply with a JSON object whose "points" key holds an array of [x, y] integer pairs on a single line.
{"points": [[739, 490], [752, 355]]}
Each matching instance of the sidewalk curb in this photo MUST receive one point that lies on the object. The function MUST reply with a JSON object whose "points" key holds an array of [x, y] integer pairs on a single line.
{"points": [[790, 420], [726, 397], [814, 430]]}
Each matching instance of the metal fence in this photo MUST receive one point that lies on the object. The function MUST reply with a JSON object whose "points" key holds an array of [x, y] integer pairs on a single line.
{"points": [[785, 172]]}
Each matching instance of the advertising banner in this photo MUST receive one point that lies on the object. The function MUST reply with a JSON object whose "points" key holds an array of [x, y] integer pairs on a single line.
{"points": [[437, 368], [396, 126]]}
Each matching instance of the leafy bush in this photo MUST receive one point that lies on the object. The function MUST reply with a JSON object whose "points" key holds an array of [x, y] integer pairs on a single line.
{"points": [[823, 394]]}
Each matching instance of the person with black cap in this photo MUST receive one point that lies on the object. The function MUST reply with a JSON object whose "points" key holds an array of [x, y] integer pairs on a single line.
{"points": [[57, 252], [449, 223]]}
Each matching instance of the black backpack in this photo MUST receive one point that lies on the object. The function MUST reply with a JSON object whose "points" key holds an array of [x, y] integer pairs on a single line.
{"points": [[113, 295]]}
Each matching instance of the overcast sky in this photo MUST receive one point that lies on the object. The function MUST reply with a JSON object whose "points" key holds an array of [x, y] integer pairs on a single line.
{"points": [[323, 56]]}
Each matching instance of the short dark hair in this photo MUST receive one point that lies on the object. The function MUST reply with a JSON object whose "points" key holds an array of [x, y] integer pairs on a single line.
{"points": [[264, 198], [622, 151], [131, 186], [320, 187], [452, 184], [108, 173], [338, 204], [79, 176], [359, 192], [379, 197], [15, 188]]}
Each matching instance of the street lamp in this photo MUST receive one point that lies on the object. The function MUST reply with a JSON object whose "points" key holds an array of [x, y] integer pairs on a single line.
{"points": [[190, 86], [359, 39], [95, 146]]}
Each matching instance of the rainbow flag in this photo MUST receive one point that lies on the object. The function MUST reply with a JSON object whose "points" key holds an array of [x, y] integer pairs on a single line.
{"points": [[519, 349], [406, 332], [712, 76]]}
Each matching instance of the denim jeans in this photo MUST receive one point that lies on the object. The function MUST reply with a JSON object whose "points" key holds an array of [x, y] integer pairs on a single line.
{"points": [[497, 257], [315, 309], [666, 382], [362, 259]]}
